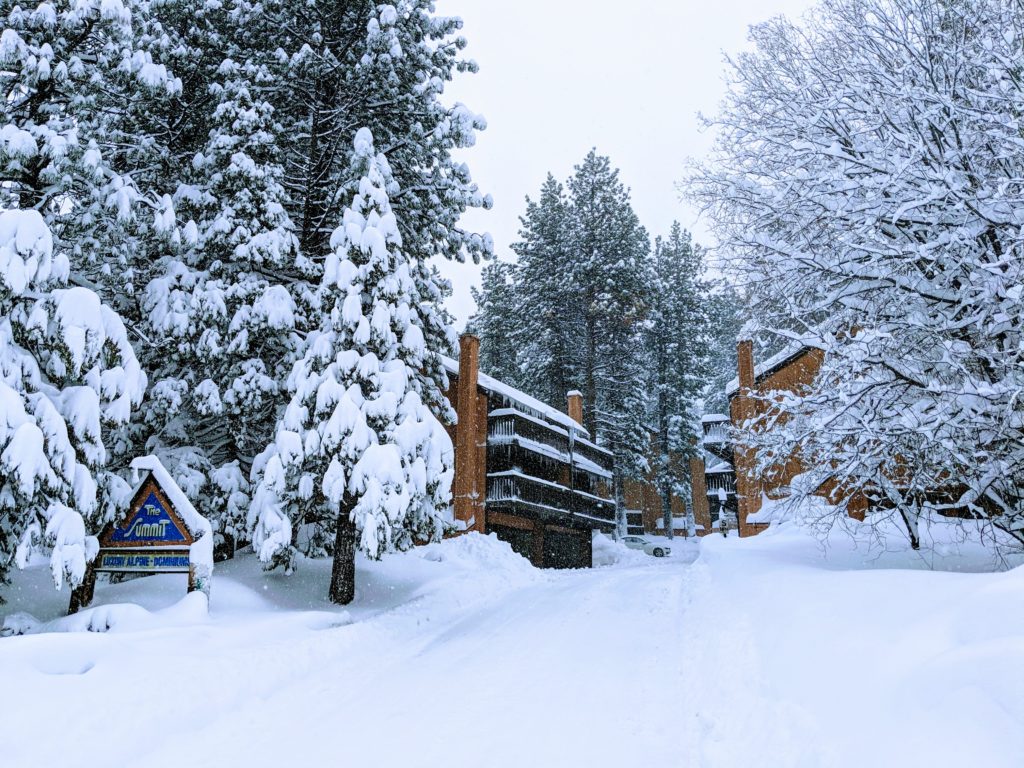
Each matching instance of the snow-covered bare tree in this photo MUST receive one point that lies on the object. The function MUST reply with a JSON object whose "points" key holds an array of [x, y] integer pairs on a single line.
{"points": [[868, 178], [67, 375], [358, 446]]}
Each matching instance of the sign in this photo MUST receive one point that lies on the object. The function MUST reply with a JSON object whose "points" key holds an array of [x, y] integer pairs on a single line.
{"points": [[151, 524], [139, 561], [151, 538], [155, 536]]}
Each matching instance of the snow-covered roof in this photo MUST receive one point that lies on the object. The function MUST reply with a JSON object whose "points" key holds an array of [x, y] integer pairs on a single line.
{"points": [[776, 361], [521, 399]]}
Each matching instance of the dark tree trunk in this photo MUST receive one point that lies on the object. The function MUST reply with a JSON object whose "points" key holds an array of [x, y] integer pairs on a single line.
{"points": [[666, 508], [81, 596], [590, 382], [915, 541], [343, 574]]}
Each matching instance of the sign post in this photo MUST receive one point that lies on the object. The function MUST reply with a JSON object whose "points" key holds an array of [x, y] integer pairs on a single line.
{"points": [[161, 533]]}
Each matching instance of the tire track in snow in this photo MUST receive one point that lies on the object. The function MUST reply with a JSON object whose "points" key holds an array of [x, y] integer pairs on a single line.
{"points": [[733, 718]]}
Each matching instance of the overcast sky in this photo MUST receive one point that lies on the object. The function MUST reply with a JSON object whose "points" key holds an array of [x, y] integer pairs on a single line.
{"points": [[558, 77]]}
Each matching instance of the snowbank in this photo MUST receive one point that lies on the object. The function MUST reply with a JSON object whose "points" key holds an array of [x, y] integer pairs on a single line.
{"points": [[123, 617]]}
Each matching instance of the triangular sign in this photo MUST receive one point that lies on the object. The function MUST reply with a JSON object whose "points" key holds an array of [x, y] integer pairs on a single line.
{"points": [[149, 523]]}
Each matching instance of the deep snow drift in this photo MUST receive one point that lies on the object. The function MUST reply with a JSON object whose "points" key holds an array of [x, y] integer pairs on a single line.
{"points": [[770, 652]]}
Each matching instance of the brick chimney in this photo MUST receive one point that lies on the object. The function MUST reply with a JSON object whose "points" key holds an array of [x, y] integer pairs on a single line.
{"points": [[575, 406], [745, 363], [468, 485]]}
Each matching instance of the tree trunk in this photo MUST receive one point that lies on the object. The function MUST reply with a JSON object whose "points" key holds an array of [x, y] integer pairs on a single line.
{"points": [[81, 596], [666, 508], [590, 382], [343, 574], [621, 522], [911, 526]]}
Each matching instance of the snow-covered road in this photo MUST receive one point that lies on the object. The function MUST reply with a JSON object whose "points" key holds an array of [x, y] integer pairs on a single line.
{"points": [[460, 654], [572, 670]]}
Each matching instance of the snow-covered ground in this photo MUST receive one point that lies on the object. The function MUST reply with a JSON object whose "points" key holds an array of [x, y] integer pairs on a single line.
{"points": [[764, 652]]}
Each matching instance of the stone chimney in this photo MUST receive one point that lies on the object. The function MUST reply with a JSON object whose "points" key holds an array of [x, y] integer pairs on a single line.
{"points": [[575, 406], [745, 363]]}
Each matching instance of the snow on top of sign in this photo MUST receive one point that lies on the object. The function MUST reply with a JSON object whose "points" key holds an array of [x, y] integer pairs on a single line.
{"points": [[201, 552], [519, 397]]}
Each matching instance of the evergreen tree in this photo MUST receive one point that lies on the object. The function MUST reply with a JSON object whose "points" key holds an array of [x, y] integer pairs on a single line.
{"points": [[63, 69], [358, 445], [678, 345], [498, 322], [551, 315], [724, 313], [222, 305], [611, 278], [67, 375]]}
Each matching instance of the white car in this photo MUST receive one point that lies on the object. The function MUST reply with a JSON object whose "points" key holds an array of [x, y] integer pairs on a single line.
{"points": [[648, 546]]}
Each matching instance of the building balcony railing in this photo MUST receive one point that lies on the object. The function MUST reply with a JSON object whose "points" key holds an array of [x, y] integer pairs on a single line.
{"points": [[520, 492], [507, 426], [721, 482]]}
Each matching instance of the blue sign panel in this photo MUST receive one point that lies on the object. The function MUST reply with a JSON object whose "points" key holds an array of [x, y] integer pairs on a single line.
{"points": [[149, 525]]}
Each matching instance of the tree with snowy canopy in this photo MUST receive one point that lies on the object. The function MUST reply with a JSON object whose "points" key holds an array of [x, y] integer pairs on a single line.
{"points": [[549, 356], [678, 345], [499, 320], [611, 271], [251, 157], [868, 179], [582, 289], [67, 375], [223, 305], [358, 446], [64, 67]]}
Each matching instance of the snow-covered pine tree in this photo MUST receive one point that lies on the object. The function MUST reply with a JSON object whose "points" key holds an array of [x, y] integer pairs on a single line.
{"points": [[678, 347], [867, 178], [224, 308], [63, 68], [384, 67], [358, 444], [551, 315], [498, 322], [67, 375], [725, 316], [612, 278]]}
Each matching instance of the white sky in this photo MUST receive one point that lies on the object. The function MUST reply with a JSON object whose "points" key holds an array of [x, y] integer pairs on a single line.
{"points": [[558, 77]]}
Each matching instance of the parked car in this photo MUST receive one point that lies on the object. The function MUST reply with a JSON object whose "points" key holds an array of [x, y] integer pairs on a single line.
{"points": [[648, 546]]}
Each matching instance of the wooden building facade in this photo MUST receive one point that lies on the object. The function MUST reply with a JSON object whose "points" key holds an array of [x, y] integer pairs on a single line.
{"points": [[525, 471], [792, 370]]}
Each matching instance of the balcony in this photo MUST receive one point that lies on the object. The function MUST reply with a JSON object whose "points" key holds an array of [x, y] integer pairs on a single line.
{"points": [[509, 427], [515, 492], [724, 481]]}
